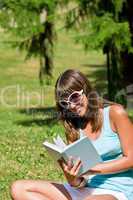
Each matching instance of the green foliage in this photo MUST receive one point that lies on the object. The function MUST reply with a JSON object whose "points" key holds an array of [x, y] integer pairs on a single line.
{"points": [[118, 5], [32, 22], [99, 26], [25, 24], [103, 30], [104, 25]]}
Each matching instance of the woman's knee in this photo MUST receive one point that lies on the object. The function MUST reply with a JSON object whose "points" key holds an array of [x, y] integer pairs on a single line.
{"points": [[17, 189]]}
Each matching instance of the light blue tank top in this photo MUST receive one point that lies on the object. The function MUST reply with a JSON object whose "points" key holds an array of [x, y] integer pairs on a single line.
{"points": [[109, 147]]}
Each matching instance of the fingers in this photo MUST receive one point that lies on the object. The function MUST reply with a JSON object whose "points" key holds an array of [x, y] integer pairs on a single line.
{"points": [[76, 167], [66, 165], [73, 169], [69, 167], [62, 163], [77, 170], [70, 163]]}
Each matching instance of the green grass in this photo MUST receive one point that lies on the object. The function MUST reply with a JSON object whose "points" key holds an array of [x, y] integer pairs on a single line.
{"points": [[25, 121]]}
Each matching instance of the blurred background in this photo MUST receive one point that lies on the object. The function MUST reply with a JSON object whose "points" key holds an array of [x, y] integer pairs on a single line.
{"points": [[39, 39]]}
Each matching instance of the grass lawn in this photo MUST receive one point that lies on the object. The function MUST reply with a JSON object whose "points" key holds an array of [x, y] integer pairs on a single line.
{"points": [[27, 113]]}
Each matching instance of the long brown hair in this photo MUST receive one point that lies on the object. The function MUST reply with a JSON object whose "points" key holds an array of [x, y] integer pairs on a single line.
{"points": [[74, 80]]}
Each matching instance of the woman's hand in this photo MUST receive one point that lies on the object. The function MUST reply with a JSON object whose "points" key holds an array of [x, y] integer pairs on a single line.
{"points": [[71, 170]]}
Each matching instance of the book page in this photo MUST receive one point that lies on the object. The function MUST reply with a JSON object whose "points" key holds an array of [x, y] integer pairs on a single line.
{"points": [[52, 147], [59, 142]]}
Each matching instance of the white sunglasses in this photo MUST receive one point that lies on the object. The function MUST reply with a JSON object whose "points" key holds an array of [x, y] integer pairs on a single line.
{"points": [[73, 98]]}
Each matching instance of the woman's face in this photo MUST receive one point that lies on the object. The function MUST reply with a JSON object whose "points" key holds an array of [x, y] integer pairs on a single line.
{"points": [[76, 102]]}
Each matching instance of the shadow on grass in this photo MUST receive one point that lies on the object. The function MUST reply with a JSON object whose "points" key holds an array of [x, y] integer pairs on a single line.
{"points": [[98, 74], [39, 116], [94, 65], [36, 110]]}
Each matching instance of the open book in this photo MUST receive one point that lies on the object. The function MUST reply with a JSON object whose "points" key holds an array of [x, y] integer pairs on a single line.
{"points": [[82, 148]]}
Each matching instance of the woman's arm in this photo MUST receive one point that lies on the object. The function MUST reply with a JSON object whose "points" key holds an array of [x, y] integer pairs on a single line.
{"points": [[124, 128]]}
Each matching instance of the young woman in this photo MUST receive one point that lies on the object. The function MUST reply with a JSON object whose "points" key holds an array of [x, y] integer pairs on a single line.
{"points": [[108, 127]]}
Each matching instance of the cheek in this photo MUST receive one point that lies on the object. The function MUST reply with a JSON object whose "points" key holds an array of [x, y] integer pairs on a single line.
{"points": [[84, 103]]}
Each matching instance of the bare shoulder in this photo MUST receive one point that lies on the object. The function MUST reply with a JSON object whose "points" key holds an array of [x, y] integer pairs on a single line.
{"points": [[117, 110], [119, 116]]}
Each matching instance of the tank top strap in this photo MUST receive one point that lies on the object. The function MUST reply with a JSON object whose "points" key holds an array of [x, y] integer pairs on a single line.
{"points": [[106, 119]]}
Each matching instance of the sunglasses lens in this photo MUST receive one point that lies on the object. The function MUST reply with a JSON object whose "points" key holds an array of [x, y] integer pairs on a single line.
{"points": [[75, 97]]}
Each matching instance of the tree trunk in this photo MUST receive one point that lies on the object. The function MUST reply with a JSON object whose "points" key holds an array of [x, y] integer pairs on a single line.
{"points": [[127, 58], [108, 74], [46, 45]]}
